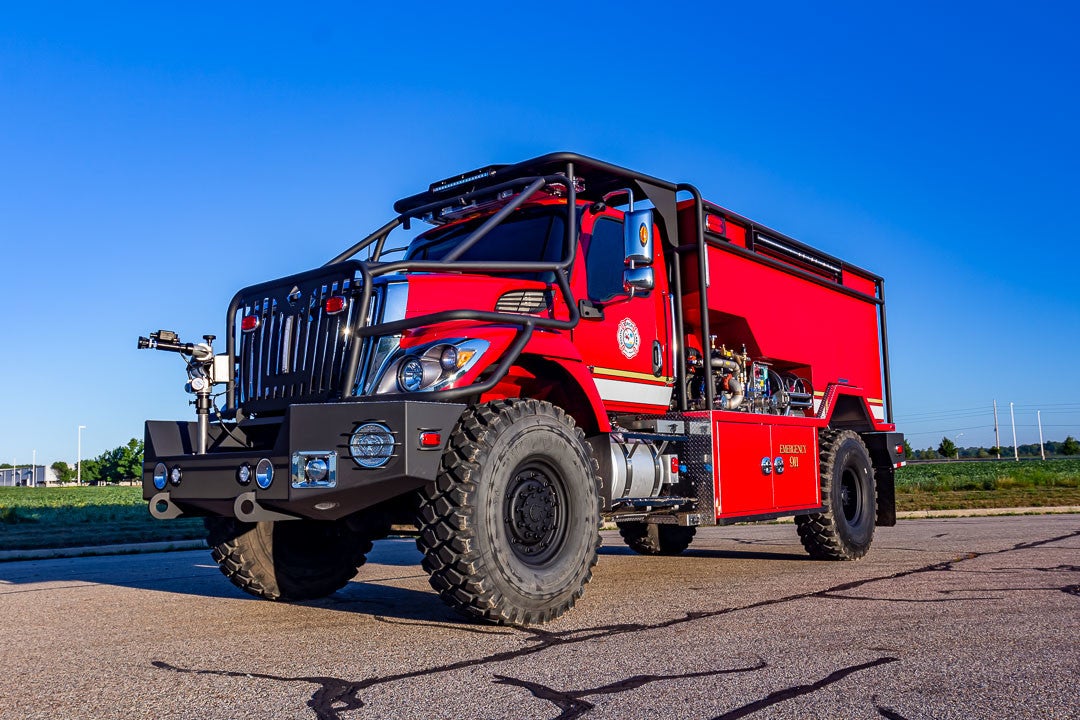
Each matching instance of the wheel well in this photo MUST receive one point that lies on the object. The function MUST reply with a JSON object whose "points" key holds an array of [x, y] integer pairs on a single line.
{"points": [[547, 380], [849, 413]]}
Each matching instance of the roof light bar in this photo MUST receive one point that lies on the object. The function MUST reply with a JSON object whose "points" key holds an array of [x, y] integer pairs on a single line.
{"points": [[451, 183]]}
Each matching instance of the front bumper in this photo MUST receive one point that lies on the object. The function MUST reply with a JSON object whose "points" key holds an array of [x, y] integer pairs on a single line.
{"points": [[209, 483]]}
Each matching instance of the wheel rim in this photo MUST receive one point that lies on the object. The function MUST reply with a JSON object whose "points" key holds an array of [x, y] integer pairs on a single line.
{"points": [[850, 495], [534, 512]]}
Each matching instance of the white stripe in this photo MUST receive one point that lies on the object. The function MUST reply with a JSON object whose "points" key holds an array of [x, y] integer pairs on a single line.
{"points": [[878, 411], [622, 391]]}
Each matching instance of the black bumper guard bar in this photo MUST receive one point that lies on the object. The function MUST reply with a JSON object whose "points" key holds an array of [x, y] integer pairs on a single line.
{"points": [[372, 268]]}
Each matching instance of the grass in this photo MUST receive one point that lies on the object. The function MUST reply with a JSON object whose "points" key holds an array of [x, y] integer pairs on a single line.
{"points": [[988, 484], [77, 516]]}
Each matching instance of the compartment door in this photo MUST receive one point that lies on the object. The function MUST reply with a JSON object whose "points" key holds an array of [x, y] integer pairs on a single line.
{"points": [[795, 467], [743, 487]]}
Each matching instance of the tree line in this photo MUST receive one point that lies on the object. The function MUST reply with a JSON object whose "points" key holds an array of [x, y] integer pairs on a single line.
{"points": [[948, 449], [112, 466]]}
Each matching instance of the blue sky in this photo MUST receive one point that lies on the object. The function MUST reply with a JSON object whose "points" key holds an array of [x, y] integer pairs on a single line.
{"points": [[155, 157]]}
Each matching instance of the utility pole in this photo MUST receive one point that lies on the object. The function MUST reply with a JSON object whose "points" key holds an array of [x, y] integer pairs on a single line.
{"points": [[997, 438], [33, 470], [1042, 450], [1016, 450], [78, 460]]}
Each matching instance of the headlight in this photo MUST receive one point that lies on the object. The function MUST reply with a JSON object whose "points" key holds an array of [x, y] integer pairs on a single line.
{"points": [[410, 374], [428, 367], [449, 358]]}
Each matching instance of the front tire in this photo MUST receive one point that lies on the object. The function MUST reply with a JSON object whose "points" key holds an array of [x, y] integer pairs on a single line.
{"points": [[510, 529], [655, 538], [287, 560], [846, 528]]}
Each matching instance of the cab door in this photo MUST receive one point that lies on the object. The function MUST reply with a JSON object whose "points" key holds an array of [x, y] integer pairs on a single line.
{"points": [[623, 337]]}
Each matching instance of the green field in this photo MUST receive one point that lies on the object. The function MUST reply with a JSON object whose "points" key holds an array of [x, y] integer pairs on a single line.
{"points": [[76, 516], [988, 484]]}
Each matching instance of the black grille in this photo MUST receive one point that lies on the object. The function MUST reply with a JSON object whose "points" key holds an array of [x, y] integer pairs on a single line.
{"points": [[524, 302], [298, 351]]}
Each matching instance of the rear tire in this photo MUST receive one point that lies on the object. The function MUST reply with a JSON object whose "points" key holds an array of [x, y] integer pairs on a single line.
{"points": [[655, 538], [287, 560], [510, 528], [846, 528]]}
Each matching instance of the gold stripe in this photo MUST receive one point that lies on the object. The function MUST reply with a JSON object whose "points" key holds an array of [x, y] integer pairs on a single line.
{"points": [[628, 374]]}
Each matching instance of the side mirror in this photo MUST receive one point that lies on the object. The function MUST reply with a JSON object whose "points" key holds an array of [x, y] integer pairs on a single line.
{"points": [[639, 279], [638, 237]]}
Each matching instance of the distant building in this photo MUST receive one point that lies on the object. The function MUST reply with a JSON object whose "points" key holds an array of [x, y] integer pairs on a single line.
{"points": [[25, 475]]}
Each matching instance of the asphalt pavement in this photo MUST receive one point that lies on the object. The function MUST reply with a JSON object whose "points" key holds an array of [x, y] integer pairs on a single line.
{"points": [[945, 618]]}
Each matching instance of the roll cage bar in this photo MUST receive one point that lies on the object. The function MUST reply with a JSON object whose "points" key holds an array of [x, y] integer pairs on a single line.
{"points": [[562, 170]]}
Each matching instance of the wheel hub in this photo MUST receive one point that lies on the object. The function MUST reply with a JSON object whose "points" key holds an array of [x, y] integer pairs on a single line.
{"points": [[532, 514]]}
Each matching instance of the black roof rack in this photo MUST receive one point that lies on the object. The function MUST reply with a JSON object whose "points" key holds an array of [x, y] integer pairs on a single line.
{"points": [[600, 179]]}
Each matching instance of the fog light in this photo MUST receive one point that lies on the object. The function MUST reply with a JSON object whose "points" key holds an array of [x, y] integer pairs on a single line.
{"points": [[176, 475], [264, 473], [243, 474], [160, 472], [371, 445]]}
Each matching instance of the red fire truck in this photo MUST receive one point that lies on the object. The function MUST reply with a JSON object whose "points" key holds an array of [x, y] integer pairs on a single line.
{"points": [[569, 342]]}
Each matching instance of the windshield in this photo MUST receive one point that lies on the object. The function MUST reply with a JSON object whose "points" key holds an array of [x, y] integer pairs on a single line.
{"points": [[527, 236]]}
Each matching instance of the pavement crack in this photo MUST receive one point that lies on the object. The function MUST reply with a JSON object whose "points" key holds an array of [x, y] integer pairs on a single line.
{"points": [[333, 697], [885, 711], [795, 691], [573, 705]]}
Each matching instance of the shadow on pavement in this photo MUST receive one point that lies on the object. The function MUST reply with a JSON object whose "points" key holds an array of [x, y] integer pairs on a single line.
{"points": [[194, 573]]}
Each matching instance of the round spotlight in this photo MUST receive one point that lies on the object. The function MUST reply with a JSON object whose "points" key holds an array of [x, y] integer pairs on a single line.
{"points": [[316, 470], [176, 475], [160, 476], [264, 473], [410, 375], [449, 358], [243, 474], [371, 445]]}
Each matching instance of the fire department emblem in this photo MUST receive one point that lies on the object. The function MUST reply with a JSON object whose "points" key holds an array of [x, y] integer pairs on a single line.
{"points": [[629, 338]]}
